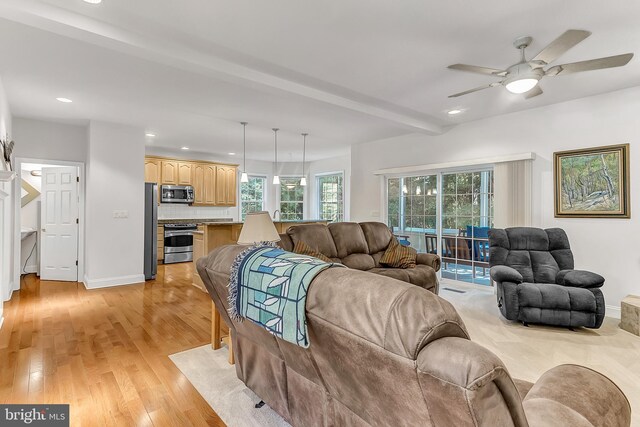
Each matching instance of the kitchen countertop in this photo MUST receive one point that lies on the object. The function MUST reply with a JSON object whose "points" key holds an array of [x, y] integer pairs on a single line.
{"points": [[194, 220]]}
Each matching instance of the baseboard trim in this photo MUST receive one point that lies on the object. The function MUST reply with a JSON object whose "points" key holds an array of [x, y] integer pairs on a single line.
{"points": [[112, 281], [613, 311]]}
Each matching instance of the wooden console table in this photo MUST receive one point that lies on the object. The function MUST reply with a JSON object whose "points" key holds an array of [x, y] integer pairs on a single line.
{"points": [[220, 333]]}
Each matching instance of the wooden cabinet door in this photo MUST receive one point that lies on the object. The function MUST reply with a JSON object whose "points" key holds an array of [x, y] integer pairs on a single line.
{"points": [[198, 183], [152, 170], [185, 171], [210, 184], [222, 185], [232, 175], [169, 172]]}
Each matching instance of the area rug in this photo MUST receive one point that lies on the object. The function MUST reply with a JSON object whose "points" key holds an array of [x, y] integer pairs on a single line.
{"points": [[215, 379]]}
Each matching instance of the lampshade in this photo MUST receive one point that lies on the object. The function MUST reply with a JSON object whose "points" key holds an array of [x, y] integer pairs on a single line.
{"points": [[276, 180], [258, 227], [303, 181], [244, 177], [521, 86]]}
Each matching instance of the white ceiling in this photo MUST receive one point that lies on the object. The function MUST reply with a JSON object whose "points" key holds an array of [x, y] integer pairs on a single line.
{"points": [[346, 72]]}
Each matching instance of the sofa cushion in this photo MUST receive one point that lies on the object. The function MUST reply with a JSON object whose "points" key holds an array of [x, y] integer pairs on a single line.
{"points": [[399, 256], [378, 236], [317, 236], [348, 238], [423, 275], [556, 297], [303, 249], [361, 262]]}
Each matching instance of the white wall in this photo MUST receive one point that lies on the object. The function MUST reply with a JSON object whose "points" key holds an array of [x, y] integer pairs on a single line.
{"points": [[38, 139], [6, 211], [607, 246], [115, 173]]}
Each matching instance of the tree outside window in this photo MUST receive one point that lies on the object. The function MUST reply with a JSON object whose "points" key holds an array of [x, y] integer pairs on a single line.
{"points": [[330, 197], [252, 195], [291, 199]]}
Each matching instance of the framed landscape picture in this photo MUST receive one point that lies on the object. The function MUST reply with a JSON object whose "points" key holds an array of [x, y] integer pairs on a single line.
{"points": [[592, 182]]}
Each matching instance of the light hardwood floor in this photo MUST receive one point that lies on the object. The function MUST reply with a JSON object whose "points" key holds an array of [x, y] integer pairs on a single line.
{"points": [[528, 352], [105, 351]]}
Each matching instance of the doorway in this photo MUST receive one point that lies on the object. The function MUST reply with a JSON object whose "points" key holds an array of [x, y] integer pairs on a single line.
{"points": [[49, 220]]}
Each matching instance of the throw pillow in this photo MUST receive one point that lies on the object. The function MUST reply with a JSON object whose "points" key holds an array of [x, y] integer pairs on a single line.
{"points": [[303, 249], [399, 256]]}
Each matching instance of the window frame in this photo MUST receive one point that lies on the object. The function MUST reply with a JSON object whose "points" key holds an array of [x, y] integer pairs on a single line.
{"points": [[264, 193], [279, 198], [317, 178]]}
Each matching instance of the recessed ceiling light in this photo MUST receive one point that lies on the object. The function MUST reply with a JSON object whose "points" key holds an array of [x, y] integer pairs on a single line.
{"points": [[454, 112], [232, 154], [93, 1], [150, 135], [65, 100], [185, 148]]}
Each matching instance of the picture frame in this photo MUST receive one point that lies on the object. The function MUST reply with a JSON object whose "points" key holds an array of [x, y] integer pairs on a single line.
{"points": [[592, 182]]}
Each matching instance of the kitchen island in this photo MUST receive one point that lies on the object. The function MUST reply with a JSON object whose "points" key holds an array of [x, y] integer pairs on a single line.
{"points": [[211, 235]]}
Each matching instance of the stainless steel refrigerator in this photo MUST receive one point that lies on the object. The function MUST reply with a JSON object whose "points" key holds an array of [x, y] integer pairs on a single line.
{"points": [[150, 230]]}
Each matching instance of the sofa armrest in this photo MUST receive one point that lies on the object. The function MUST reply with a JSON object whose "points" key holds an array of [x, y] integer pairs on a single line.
{"points": [[576, 396], [579, 279], [503, 273], [432, 260]]}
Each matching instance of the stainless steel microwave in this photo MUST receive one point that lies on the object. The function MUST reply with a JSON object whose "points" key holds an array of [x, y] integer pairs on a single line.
{"points": [[176, 194]]}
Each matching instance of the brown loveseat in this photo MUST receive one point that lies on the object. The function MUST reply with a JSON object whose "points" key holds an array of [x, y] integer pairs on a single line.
{"points": [[360, 246], [383, 352]]}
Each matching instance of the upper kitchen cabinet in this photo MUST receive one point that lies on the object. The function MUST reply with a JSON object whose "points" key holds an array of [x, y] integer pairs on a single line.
{"points": [[210, 184], [198, 183], [169, 172], [185, 173], [152, 170], [226, 185]]}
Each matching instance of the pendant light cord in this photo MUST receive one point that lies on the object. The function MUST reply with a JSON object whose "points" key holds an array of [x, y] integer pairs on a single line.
{"points": [[244, 146], [275, 136], [304, 151]]}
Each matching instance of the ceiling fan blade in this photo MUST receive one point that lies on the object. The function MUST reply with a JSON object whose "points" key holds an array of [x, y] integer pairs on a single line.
{"points": [[592, 64], [476, 69], [566, 41], [537, 90], [474, 90]]}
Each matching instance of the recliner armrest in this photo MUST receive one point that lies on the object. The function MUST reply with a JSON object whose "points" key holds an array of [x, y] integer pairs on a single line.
{"points": [[576, 395], [503, 273], [431, 260], [579, 279]]}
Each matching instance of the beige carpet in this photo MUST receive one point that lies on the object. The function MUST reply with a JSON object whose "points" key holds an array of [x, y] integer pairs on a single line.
{"points": [[526, 351], [210, 373]]}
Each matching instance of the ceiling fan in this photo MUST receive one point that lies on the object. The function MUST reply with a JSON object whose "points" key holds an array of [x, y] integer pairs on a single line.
{"points": [[524, 76]]}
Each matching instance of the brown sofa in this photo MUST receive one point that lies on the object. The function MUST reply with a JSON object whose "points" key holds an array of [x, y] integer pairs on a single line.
{"points": [[360, 246], [383, 352]]}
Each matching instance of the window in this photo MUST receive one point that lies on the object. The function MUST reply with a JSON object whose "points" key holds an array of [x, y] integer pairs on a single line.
{"points": [[454, 224], [330, 197], [291, 199], [252, 195]]}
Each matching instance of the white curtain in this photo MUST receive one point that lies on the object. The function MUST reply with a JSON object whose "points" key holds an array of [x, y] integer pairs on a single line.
{"points": [[512, 194]]}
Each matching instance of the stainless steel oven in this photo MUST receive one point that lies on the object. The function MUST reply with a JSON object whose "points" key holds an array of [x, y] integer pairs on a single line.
{"points": [[176, 194], [178, 242]]}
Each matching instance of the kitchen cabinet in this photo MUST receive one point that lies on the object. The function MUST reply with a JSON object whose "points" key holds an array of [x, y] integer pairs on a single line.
{"points": [[199, 243], [160, 243], [169, 172], [198, 183], [152, 170], [226, 185], [185, 171], [214, 184]]}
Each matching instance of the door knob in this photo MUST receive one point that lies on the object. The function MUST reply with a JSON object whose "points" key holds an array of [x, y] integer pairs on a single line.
{"points": [[44, 230]]}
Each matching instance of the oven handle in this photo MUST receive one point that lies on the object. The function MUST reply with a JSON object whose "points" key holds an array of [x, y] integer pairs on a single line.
{"points": [[178, 233]]}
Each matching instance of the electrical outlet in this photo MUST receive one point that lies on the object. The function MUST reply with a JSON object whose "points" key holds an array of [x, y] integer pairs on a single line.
{"points": [[120, 214], [375, 214]]}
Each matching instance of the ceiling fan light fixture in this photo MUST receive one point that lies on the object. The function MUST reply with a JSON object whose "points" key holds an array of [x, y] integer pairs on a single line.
{"points": [[521, 85]]}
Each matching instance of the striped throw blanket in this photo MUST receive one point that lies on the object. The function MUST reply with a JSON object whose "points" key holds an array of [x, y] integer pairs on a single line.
{"points": [[269, 287]]}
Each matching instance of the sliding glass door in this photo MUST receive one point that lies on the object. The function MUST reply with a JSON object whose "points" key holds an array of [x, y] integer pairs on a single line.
{"points": [[449, 214]]}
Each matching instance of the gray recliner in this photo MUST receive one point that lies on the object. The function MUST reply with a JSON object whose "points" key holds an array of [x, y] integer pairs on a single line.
{"points": [[536, 282]]}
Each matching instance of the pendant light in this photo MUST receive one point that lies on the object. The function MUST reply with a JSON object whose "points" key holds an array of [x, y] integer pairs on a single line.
{"points": [[276, 178], [244, 177], [303, 180]]}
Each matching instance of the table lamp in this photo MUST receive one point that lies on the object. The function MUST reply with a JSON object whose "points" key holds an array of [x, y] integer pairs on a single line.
{"points": [[258, 227]]}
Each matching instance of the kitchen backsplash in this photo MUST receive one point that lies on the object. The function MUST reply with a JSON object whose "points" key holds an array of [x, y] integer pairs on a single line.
{"points": [[168, 211]]}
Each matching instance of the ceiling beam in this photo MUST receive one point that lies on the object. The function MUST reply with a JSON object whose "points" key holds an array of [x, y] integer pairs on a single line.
{"points": [[198, 56]]}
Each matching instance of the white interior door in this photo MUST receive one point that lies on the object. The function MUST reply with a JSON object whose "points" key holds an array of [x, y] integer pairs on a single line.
{"points": [[59, 224]]}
